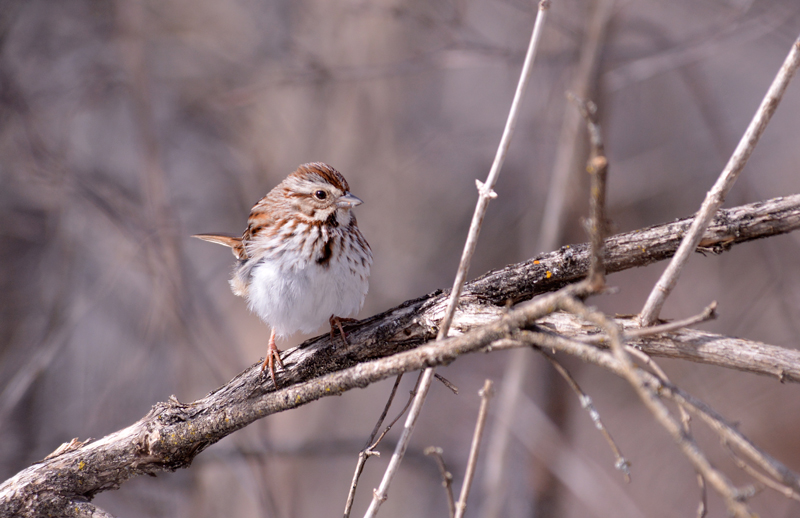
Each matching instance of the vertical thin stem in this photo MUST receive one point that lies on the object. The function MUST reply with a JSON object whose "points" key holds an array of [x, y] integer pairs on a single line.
{"points": [[486, 394]]}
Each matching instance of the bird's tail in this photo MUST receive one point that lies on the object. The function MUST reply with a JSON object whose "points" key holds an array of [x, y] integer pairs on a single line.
{"points": [[232, 242]]}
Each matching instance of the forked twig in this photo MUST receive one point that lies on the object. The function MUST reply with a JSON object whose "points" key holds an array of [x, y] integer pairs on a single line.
{"points": [[726, 431], [368, 451], [732, 436], [485, 195], [385, 411], [716, 196]]}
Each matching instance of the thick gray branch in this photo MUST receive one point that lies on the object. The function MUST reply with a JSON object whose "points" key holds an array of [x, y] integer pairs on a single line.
{"points": [[172, 433], [697, 346]]}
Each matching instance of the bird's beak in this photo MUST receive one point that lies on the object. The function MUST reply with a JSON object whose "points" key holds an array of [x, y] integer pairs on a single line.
{"points": [[348, 201]]}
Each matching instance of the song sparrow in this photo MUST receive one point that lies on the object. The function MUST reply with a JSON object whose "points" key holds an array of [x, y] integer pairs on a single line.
{"points": [[302, 260]]}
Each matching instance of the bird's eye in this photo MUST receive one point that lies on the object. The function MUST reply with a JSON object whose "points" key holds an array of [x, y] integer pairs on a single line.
{"points": [[320, 195]]}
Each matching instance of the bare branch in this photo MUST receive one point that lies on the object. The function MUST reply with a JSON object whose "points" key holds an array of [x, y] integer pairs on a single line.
{"points": [[716, 196], [709, 313]]}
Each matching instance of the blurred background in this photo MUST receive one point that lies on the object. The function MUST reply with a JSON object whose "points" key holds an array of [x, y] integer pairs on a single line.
{"points": [[128, 125]]}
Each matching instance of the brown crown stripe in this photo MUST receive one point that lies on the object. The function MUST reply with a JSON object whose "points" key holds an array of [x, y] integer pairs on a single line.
{"points": [[326, 173]]}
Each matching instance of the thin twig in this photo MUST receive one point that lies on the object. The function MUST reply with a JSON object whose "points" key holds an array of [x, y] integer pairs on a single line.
{"points": [[363, 455], [731, 435], [485, 194], [486, 394], [447, 383], [597, 167], [620, 462], [385, 411], [725, 430], [716, 196], [709, 313], [447, 477]]}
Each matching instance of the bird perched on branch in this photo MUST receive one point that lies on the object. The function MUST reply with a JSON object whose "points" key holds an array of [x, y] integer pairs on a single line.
{"points": [[302, 260]]}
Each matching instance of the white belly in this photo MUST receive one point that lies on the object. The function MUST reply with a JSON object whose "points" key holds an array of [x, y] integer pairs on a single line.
{"points": [[303, 295]]}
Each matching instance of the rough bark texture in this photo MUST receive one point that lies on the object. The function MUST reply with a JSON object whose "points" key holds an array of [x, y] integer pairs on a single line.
{"points": [[172, 433]]}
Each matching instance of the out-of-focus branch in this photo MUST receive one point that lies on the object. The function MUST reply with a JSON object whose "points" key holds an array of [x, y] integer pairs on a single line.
{"points": [[172, 434]]}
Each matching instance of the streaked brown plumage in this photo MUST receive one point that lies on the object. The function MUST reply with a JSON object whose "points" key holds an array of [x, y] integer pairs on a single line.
{"points": [[302, 259]]}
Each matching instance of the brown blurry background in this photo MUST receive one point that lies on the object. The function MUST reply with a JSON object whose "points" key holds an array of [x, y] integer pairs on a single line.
{"points": [[126, 126]]}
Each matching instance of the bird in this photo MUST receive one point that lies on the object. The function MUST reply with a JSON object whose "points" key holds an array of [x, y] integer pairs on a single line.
{"points": [[302, 259]]}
